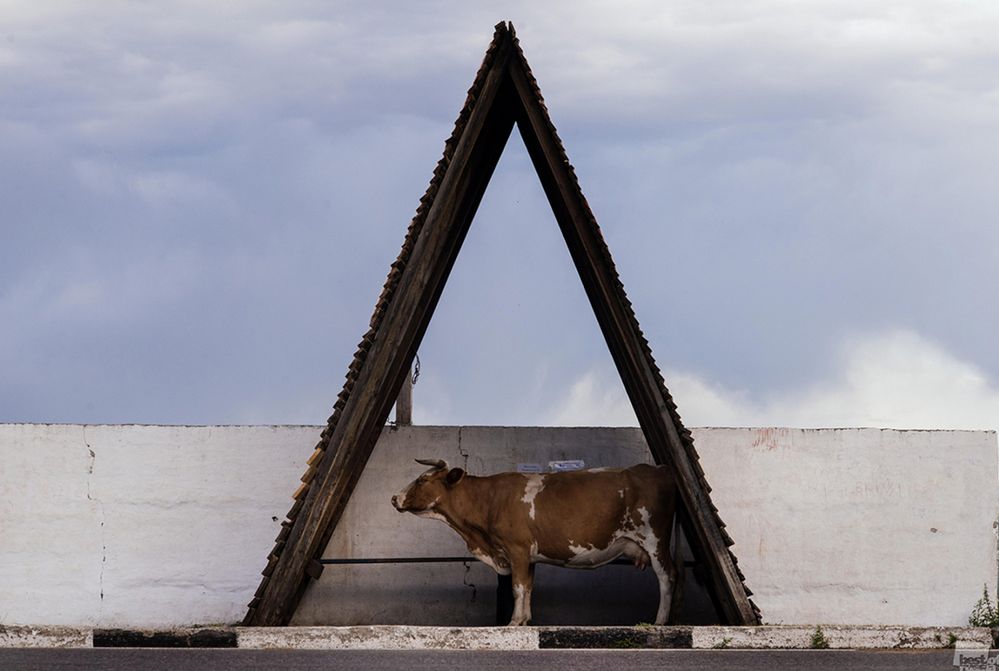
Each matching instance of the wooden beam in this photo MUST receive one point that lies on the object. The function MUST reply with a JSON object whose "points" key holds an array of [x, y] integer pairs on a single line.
{"points": [[406, 317], [625, 341]]}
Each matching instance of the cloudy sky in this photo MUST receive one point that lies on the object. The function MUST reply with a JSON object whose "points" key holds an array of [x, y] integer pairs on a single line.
{"points": [[201, 201]]}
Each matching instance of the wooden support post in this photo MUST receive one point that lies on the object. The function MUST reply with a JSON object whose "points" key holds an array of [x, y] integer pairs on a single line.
{"points": [[629, 349], [402, 317], [404, 403]]}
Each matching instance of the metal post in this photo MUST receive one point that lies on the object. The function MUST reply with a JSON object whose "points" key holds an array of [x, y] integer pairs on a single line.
{"points": [[404, 404]]}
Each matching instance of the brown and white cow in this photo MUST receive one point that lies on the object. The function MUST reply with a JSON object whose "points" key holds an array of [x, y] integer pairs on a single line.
{"points": [[578, 519]]}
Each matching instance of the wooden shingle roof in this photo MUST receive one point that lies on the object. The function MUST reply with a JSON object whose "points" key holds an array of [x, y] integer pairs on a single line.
{"points": [[503, 94]]}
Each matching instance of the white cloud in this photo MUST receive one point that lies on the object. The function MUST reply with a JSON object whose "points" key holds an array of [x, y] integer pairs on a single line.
{"points": [[593, 400], [894, 379], [796, 154]]}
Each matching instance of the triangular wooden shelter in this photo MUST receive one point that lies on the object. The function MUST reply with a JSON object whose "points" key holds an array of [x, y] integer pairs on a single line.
{"points": [[504, 93]]}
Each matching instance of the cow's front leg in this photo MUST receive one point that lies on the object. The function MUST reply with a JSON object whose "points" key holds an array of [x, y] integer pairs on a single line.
{"points": [[522, 571]]}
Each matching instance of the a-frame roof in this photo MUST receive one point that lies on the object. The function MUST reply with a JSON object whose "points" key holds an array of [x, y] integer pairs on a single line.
{"points": [[504, 93]]}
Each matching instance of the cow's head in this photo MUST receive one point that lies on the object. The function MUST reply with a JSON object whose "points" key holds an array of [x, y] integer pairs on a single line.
{"points": [[424, 493]]}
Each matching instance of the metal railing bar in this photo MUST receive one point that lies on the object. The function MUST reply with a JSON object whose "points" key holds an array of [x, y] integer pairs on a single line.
{"points": [[399, 560], [438, 560]]}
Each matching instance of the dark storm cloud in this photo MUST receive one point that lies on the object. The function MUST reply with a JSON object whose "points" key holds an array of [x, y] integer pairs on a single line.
{"points": [[201, 203]]}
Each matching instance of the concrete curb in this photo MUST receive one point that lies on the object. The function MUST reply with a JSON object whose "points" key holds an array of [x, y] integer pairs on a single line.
{"points": [[27, 636], [833, 636], [645, 636], [390, 637], [400, 637]]}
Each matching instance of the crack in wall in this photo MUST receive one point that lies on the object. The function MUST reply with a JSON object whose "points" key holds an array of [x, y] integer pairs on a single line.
{"points": [[464, 455], [995, 532], [91, 467], [464, 580]]}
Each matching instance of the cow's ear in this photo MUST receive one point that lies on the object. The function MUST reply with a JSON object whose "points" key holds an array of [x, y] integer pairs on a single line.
{"points": [[453, 476]]}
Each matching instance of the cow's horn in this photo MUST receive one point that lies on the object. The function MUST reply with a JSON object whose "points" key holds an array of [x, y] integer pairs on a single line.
{"points": [[436, 463]]}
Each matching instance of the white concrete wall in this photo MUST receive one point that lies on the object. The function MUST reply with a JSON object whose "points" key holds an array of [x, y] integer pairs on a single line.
{"points": [[161, 526], [140, 525], [858, 525]]}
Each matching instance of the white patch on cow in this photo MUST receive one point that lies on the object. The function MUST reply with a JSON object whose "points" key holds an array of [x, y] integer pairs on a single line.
{"points": [[489, 561], [431, 515], [535, 483], [647, 535], [485, 559], [620, 493], [627, 523], [429, 512], [521, 605], [592, 556], [645, 530]]}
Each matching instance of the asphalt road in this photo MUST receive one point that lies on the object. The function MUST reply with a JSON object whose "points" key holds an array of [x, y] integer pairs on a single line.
{"points": [[381, 660]]}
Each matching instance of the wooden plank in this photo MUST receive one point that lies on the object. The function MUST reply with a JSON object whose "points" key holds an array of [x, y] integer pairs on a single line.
{"points": [[316, 456], [482, 161]]}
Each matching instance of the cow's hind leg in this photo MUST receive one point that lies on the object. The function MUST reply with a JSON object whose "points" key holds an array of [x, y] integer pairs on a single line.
{"points": [[523, 581], [662, 564]]}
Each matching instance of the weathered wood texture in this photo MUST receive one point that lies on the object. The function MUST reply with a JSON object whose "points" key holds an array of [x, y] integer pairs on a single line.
{"points": [[386, 351], [504, 92]]}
